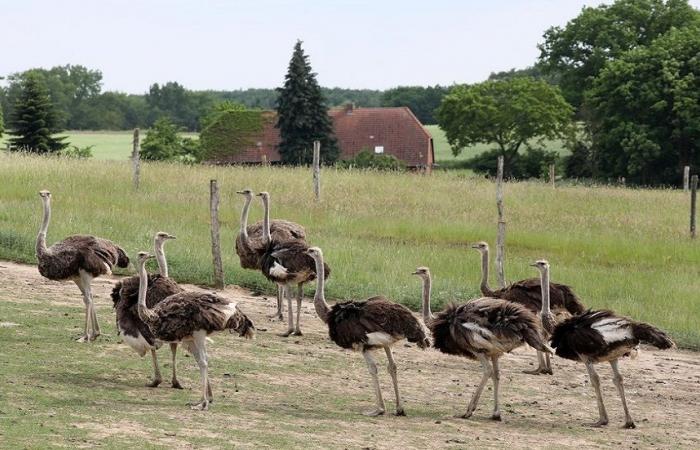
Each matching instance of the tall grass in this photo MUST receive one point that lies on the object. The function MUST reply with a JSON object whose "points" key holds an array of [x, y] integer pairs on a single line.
{"points": [[623, 249]]}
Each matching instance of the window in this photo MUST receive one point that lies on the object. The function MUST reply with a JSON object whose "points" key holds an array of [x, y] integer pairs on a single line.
{"points": [[378, 149]]}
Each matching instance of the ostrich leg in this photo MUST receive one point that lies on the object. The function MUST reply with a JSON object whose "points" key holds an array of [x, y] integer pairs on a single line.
{"points": [[541, 365], [280, 299], [157, 379], [595, 382], [300, 297], [197, 348], [617, 379], [496, 382], [175, 384], [372, 366], [86, 302], [392, 371], [488, 373], [290, 313]]}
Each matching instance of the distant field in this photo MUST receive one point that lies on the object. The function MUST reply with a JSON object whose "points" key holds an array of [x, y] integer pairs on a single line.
{"points": [[108, 145], [443, 152]]}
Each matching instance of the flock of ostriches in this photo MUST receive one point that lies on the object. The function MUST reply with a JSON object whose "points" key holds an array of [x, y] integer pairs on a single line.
{"points": [[151, 310]]}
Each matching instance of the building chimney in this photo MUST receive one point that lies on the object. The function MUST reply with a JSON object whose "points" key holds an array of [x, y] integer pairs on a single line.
{"points": [[349, 107]]}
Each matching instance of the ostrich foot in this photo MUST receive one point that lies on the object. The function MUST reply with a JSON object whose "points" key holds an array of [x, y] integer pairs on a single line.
{"points": [[629, 425], [155, 383], [496, 416], [374, 413], [175, 384], [201, 406], [298, 333], [600, 423], [400, 412], [538, 371], [286, 333], [466, 415]]}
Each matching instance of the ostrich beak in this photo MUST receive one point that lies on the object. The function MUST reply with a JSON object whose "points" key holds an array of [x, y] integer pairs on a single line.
{"points": [[172, 237]]}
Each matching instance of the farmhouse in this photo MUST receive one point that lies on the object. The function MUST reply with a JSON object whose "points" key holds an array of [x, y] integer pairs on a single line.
{"points": [[389, 131]]}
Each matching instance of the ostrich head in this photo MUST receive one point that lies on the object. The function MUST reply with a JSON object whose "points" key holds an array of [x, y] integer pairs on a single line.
{"points": [[162, 236], [264, 195], [422, 272], [247, 193], [481, 246], [45, 194], [314, 252], [541, 265], [142, 257]]}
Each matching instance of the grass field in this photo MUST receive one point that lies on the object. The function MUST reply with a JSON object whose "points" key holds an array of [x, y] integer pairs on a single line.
{"points": [[623, 249]]}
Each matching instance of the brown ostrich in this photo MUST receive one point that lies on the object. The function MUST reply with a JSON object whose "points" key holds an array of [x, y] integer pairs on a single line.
{"points": [[131, 328], [483, 329], [528, 293], [77, 258], [368, 325], [598, 336], [188, 318], [251, 241]]}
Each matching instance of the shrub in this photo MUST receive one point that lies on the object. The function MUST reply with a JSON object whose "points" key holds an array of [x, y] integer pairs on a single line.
{"points": [[369, 160], [534, 163], [164, 143], [77, 152]]}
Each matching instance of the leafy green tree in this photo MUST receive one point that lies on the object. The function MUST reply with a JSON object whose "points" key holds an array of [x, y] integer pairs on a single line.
{"points": [[508, 113], [182, 106], [422, 101], [2, 123], [367, 159], [579, 51], [302, 115], [163, 143], [645, 111], [33, 122]]}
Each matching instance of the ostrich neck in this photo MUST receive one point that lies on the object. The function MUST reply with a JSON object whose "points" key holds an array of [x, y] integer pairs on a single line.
{"points": [[427, 314], [41, 237], [544, 281], [485, 289], [160, 257], [266, 221], [143, 311], [244, 219], [322, 308]]}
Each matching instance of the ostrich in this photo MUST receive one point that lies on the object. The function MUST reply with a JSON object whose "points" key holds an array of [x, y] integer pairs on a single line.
{"points": [[287, 263], [483, 329], [188, 317], [368, 325], [78, 258], [131, 328], [251, 243], [528, 293], [598, 336]]}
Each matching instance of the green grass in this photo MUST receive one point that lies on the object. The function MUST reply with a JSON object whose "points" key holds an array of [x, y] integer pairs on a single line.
{"points": [[623, 249], [445, 157], [108, 145]]}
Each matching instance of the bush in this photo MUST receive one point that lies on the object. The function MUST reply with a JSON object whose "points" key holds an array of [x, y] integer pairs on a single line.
{"points": [[579, 164], [534, 163], [369, 160], [77, 152], [163, 143]]}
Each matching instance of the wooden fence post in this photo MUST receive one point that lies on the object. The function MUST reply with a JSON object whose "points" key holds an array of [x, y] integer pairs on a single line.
{"points": [[501, 237], [686, 178], [551, 174], [136, 158], [693, 204], [215, 238], [317, 170]]}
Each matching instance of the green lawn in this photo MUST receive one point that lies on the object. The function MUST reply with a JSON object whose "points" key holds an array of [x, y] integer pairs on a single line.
{"points": [[625, 249]]}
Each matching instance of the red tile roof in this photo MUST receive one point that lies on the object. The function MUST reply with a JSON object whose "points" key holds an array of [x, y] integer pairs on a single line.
{"points": [[397, 130]]}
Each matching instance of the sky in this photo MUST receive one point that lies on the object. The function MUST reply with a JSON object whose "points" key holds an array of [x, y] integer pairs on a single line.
{"points": [[227, 45]]}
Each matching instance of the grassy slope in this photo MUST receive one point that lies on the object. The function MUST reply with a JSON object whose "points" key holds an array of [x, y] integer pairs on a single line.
{"points": [[620, 248]]}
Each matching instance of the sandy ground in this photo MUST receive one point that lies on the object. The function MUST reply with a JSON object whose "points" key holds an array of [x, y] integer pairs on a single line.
{"points": [[663, 390]]}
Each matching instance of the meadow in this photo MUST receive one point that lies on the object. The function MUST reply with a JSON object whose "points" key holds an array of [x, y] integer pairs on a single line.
{"points": [[620, 248]]}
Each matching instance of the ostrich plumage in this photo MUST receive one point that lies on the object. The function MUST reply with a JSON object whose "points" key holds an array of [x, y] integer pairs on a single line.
{"points": [[368, 325], [483, 329], [77, 258], [251, 241], [600, 336], [528, 293], [188, 318], [131, 328], [288, 264]]}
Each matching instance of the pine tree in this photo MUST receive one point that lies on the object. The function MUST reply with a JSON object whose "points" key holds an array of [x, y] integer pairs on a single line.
{"points": [[302, 115], [33, 121]]}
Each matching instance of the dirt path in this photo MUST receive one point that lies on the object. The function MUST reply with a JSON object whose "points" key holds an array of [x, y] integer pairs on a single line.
{"points": [[306, 390]]}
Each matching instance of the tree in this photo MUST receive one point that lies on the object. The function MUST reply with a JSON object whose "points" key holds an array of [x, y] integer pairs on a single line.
{"points": [[422, 101], [507, 113], [2, 124], [580, 50], [33, 120], [164, 143], [302, 115], [182, 106], [645, 111]]}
